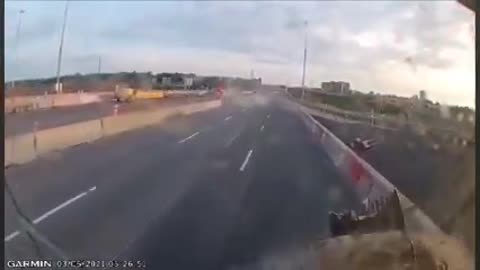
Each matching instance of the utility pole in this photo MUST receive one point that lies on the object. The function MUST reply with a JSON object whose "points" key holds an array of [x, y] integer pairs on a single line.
{"points": [[99, 64], [304, 61], [17, 39], [58, 88]]}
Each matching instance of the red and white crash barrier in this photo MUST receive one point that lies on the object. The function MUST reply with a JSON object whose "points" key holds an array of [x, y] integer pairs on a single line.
{"points": [[368, 184]]}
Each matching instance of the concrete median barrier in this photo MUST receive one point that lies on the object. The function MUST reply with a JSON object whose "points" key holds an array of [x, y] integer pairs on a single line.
{"points": [[24, 148], [19, 149], [118, 124], [186, 93], [28, 103], [66, 136], [198, 107], [368, 184]]}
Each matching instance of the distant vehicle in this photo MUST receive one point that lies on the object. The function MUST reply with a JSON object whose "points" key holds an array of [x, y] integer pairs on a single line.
{"points": [[130, 94], [361, 146], [249, 92], [220, 90]]}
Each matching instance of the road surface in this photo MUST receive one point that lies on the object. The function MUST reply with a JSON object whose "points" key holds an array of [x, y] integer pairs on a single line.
{"points": [[20, 123], [213, 190]]}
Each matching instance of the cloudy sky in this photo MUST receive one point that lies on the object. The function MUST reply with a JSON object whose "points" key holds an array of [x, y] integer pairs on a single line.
{"points": [[388, 47]]}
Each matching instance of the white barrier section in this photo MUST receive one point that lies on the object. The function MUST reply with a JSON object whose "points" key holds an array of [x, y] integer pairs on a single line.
{"points": [[118, 124], [86, 98], [19, 149], [24, 148], [65, 136], [44, 102], [197, 107], [367, 183], [55, 100], [179, 93]]}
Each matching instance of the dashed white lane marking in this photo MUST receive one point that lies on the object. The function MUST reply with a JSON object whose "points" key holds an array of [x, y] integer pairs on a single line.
{"points": [[189, 137], [245, 162], [229, 142], [268, 116], [56, 209], [53, 211], [261, 129], [11, 236], [228, 118]]}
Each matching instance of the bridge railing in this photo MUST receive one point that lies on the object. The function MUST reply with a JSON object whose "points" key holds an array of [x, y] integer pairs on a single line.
{"points": [[368, 184]]}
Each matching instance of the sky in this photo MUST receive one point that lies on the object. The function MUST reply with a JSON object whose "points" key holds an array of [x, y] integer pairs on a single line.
{"points": [[389, 47]]}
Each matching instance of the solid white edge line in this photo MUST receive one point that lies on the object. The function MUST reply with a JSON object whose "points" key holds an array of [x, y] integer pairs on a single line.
{"points": [[245, 162], [51, 212], [189, 137]]}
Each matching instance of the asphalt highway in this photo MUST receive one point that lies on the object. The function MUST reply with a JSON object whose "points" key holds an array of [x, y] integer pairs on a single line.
{"points": [[20, 123], [220, 189]]}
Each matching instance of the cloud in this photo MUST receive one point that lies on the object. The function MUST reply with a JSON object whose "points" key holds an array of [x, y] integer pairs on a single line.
{"points": [[365, 43]]}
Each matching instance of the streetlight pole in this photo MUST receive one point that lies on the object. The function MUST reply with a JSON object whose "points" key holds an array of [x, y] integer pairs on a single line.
{"points": [[60, 49], [17, 40], [304, 61], [99, 64]]}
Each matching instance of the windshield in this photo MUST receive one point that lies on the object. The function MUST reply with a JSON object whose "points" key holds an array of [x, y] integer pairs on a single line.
{"points": [[237, 135]]}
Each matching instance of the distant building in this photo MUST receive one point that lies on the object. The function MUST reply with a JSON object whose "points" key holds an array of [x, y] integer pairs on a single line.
{"points": [[166, 81], [422, 95], [188, 81], [356, 92], [173, 81], [315, 89], [336, 87]]}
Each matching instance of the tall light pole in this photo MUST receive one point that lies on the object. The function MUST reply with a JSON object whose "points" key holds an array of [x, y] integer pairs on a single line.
{"points": [[17, 39], [304, 61], [99, 64], [60, 49]]}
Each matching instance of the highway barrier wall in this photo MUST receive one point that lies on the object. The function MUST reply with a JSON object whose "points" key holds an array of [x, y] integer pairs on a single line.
{"points": [[29, 103], [19, 149], [118, 124], [180, 93], [368, 184], [26, 147], [65, 136]]}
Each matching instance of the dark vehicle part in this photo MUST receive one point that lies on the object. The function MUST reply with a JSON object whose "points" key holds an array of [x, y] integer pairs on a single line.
{"points": [[470, 4], [380, 215], [360, 146]]}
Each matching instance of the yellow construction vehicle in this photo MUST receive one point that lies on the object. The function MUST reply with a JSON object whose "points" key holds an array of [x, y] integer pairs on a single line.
{"points": [[130, 94]]}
